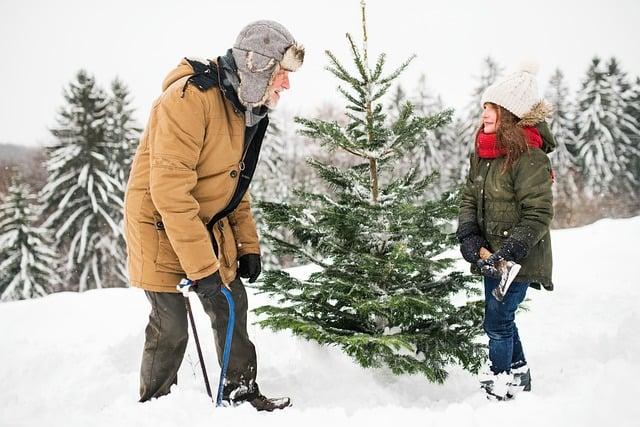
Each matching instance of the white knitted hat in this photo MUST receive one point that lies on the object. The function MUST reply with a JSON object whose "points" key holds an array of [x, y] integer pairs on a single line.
{"points": [[517, 92]]}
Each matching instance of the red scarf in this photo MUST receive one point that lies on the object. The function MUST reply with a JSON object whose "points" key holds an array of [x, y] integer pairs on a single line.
{"points": [[487, 143]]}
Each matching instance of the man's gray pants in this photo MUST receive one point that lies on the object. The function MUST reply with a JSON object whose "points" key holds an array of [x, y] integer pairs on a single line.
{"points": [[166, 339]]}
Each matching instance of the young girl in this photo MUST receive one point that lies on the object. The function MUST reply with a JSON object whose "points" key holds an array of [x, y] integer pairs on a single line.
{"points": [[506, 209]]}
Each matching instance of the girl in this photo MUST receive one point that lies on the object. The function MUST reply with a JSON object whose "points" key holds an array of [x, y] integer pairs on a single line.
{"points": [[505, 212]]}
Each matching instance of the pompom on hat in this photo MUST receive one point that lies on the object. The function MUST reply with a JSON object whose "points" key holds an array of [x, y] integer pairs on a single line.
{"points": [[261, 49], [518, 93]]}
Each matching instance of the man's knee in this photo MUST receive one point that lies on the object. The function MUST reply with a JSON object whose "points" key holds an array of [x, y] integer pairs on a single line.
{"points": [[168, 322]]}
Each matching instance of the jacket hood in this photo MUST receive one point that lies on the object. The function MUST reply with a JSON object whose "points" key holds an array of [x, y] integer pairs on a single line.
{"points": [[536, 117], [538, 114], [182, 70]]}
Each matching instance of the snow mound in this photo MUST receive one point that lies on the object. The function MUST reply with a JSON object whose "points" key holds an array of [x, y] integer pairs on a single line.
{"points": [[72, 359]]}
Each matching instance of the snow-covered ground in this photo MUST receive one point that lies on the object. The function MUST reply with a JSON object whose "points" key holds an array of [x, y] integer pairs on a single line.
{"points": [[72, 359]]}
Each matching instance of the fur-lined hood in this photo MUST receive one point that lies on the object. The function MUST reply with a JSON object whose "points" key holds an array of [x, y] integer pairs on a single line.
{"points": [[538, 114], [537, 117]]}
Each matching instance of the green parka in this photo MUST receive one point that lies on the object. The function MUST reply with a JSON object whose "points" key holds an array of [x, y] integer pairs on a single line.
{"points": [[515, 204]]}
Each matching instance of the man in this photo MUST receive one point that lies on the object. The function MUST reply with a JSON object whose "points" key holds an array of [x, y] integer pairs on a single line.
{"points": [[187, 209]]}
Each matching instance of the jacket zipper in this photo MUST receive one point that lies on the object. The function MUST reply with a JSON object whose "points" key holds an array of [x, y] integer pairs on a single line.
{"points": [[484, 184], [241, 167]]}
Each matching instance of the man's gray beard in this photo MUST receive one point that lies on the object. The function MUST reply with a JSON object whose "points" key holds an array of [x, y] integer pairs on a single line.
{"points": [[271, 107]]}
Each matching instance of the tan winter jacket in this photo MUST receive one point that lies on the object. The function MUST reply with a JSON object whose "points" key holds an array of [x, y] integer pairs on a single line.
{"points": [[184, 172]]}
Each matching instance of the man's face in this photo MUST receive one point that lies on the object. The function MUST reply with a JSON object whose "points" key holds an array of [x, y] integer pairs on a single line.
{"points": [[280, 83]]}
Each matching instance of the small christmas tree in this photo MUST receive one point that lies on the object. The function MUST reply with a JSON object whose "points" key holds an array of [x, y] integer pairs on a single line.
{"points": [[27, 258], [384, 292]]}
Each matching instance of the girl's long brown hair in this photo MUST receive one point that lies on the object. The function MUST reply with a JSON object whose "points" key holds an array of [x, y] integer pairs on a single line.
{"points": [[510, 137]]}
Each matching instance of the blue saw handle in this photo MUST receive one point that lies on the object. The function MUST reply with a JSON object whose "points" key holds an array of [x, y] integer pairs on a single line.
{"points": [[227, 343]]}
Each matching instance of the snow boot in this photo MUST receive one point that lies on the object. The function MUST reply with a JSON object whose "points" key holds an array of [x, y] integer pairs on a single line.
{"points": [[263, 403], [521, 380], [496, 386], [237, 395]]}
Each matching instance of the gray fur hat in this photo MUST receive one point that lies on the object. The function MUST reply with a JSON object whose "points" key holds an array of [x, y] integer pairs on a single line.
{"points": [[261, 49]]}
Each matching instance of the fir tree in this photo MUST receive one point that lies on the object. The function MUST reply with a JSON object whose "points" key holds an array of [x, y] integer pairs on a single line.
{"points": [[628, 145], [603, 128], [122, 131], [384, 290], [457, 151], [397, 101], [567, 192], [633, 109], [81, 196], [489, 72], [429, 152], [467, 127], [633, 106], [121, 134], [270, 184], [432, 154], [27, 258]]}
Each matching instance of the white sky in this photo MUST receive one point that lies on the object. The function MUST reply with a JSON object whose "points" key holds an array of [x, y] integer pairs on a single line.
{"points": [[44, 43]]}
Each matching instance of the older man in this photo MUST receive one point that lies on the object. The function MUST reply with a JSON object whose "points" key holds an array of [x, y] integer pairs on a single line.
{"points": [[187, 209]]}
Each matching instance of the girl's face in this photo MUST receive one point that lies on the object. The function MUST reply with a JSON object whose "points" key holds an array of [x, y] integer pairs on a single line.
{"points": [[490, 118]]}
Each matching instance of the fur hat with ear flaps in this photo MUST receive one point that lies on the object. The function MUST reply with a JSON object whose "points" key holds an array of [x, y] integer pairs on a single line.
{"points": [[518, 93], [261, 49]]}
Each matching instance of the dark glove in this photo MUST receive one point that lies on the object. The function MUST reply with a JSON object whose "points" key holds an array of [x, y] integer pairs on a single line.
{"points": [[250, 266], [470, 247], [488, 266], [513, 250], [209, 286], [471, 240]]}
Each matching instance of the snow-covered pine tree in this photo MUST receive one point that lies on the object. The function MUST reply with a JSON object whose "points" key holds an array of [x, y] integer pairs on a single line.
{"points": [[457, 151], [602, 129], [567, 191], [384, 292], [122, 131], [628, 145], [81, 197], [121, 134], [468, 123], [271, 183], [27, 257], [397, 101], [429, 155], [634, 110]]}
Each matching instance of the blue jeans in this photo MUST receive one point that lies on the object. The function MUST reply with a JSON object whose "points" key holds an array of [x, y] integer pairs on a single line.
{"points": [[505, 348]]}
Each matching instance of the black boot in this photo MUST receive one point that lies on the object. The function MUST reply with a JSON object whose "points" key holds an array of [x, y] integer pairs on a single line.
{"points": [[263, 403], [236, 395]]}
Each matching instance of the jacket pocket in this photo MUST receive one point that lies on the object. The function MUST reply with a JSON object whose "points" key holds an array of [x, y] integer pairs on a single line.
{"points": [[497, 232], [166, 259], [228, 249]]}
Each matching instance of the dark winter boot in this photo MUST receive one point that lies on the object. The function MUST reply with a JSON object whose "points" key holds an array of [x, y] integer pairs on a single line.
{"points": [[263, 403], [237, 395]]}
